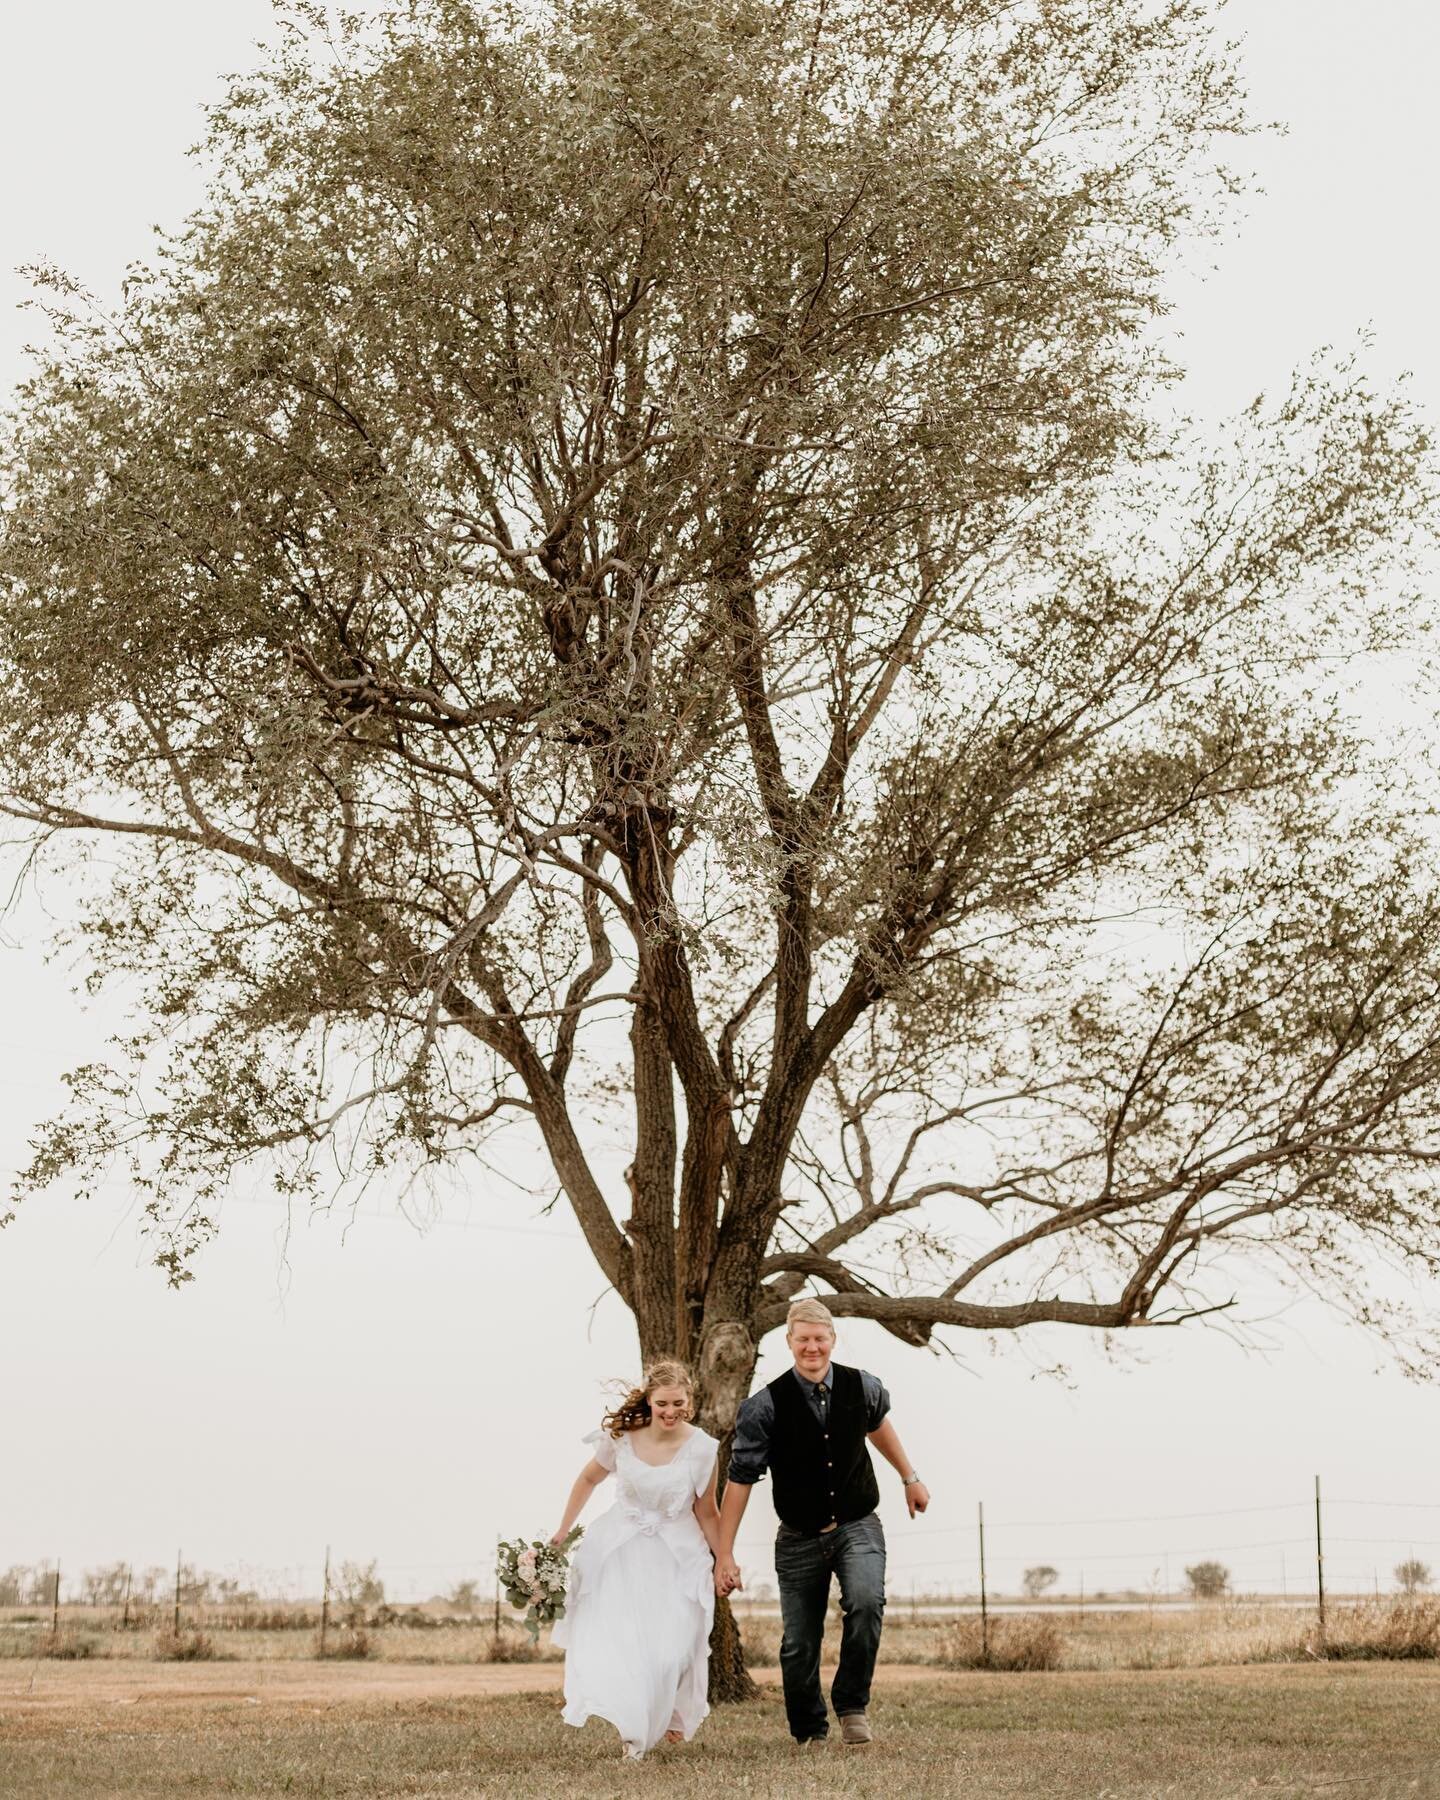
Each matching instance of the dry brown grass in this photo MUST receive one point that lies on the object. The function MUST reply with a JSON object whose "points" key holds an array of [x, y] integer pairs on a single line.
{"points": [[1287, 1733], [350, 1643], [1030, 1643], [1231, 1632], [520, 1647], [67, 1645], [1387, 1631], [184, 1646]]}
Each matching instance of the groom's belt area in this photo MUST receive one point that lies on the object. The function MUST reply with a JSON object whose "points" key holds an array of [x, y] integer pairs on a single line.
{"points": [[790, 1534]]}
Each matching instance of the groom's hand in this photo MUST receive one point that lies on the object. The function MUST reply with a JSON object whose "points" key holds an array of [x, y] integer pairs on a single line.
{"points": [[727, 1576], [917, 1497]]}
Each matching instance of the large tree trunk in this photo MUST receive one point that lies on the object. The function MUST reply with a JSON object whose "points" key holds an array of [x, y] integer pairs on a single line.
{"points": [[730, 1680], [727, 1364]]}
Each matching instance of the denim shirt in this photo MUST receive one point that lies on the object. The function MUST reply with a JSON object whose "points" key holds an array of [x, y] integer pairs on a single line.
{"points": [[750, 1451]]}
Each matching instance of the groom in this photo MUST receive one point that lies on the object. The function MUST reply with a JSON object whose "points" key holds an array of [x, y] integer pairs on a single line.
{"points": [[809, 1428]]}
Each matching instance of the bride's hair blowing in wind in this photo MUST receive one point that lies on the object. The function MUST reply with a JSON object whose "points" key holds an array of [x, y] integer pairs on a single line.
{"points": [[633, 1411]]}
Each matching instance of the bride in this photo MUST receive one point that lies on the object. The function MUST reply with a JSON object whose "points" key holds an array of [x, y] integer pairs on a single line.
{"points": [[641, 1599]]}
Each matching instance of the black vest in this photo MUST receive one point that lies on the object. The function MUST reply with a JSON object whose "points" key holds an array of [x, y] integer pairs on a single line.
{"points": [[821, 1472]]}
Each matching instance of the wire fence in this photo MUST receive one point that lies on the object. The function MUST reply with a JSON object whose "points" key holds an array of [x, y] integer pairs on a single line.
{"points": [[1284, 1550]]}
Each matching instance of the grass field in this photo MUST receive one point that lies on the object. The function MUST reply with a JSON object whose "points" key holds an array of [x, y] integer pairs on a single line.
{"points": [[143, 1732], [1237, 1631]]}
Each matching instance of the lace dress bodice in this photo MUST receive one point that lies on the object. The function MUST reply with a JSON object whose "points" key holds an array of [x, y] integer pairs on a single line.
{"points": [[653, 1495]]}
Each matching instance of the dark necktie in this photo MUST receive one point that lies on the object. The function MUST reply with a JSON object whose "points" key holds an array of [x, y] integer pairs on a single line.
{"points": [[822, 1402]]}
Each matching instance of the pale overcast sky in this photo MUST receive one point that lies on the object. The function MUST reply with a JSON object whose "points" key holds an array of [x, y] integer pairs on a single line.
{"points": [[408, 1394]]}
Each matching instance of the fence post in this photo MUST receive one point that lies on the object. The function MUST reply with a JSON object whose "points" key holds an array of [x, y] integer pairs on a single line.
{"points": [[55, 1608], [984, 1604], [176, 1622], [497, 1590], [1082, 1596], [125, 1616], [325, 1603], [1319, 1566]]}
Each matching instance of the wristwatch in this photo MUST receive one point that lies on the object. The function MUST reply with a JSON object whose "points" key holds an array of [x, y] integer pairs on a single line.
{"points": [[910, 1480]]}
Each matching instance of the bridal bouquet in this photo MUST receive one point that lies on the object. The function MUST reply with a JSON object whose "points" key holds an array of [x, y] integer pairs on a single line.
{"points": [[534, 1575]]}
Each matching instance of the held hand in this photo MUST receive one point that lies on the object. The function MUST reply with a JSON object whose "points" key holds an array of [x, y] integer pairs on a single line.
{"points": [[917, 1497], [727, 1576], [557, 1538]]}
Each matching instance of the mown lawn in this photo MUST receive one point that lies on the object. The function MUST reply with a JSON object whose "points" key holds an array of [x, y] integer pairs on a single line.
{"points": [[1369, 1731]]}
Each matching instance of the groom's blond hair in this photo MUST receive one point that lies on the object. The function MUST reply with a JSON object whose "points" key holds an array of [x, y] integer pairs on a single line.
{"points": [[809, 1312]]}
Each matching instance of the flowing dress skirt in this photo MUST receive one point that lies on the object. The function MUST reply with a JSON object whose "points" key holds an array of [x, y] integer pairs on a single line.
{"points": [[636, 1631]]}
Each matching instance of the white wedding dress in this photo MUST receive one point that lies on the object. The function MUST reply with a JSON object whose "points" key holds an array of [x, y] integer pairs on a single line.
{"points": [[641, 1598]]}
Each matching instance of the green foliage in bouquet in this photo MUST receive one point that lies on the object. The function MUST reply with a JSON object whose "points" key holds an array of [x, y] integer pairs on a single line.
{"points": [[535, 1576]]}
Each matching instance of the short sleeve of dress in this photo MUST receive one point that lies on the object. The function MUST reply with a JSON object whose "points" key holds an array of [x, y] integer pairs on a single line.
{"points": [[602, 1448], [705, 1455]]}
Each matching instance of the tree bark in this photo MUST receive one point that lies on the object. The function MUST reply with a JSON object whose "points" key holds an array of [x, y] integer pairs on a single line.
{"points": [[730, 1680], [727, 1364]]}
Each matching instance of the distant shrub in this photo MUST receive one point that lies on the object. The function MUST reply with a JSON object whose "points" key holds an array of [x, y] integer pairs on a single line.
{"points": [[272, 1618], [1019, 1644], [358, 1585], [762, 1649], [184, 1646], [516, 1647], [1039, 1578], [1208, 1580], [1393, 1631], [1412, 1575], [68, 1646], [351, 1643]]}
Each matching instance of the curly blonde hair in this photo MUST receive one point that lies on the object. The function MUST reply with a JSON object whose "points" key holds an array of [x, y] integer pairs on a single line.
{"points": [[633, 1412]]}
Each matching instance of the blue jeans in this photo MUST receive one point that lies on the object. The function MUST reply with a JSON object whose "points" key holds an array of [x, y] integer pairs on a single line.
{"points": [[803, 1566]]}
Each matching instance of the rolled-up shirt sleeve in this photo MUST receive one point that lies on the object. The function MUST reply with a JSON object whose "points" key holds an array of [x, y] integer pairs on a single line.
{"points": [[877, 1401], [750, 1448]]}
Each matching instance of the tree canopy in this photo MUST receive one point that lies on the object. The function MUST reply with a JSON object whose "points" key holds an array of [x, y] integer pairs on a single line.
{"points": [[627, 580]]}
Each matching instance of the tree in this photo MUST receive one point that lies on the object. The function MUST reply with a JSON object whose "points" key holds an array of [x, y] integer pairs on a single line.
{"points": [[358, 1586], [1412, 1576], [622, 582], [1038, 1579], [197, 1586], [105, 1586], [1208, 1580], [464, 1596], [20, 1585]]}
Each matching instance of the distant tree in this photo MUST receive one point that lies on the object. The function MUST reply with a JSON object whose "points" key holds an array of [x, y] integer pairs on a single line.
{"points": [[104, 1586], [1412, 1575], [228, 1590], [1208, 1580], [358, 1586], [15, 1585], [1039, 1578], [196, 1585], [151, 1583], [464, 1596]]}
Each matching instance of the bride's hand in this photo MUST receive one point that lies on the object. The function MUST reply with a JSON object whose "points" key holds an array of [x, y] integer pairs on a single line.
{"points": [[557, 1538]]}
